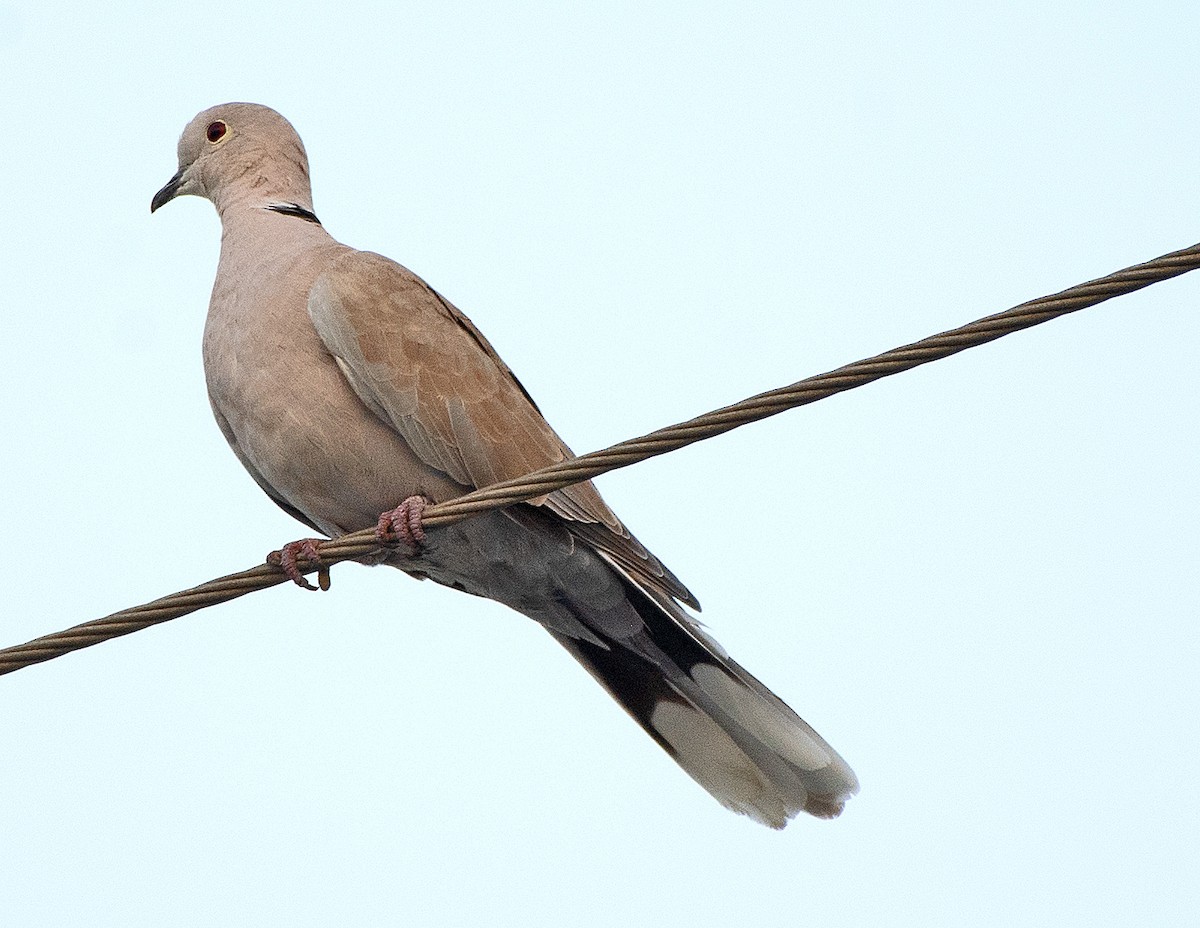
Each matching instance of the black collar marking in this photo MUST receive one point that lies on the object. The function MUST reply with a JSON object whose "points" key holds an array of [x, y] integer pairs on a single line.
{"points": [[294, 209]]}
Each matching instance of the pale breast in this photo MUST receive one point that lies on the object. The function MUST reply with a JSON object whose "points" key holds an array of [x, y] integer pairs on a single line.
{"points": [[285, 407]]}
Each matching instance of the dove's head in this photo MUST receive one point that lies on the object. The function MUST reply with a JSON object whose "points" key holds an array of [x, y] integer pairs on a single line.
{"points": [[240, 152]]}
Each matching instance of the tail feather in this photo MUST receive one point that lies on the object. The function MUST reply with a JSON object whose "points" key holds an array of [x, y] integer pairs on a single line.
{"points": [[730, 733]]}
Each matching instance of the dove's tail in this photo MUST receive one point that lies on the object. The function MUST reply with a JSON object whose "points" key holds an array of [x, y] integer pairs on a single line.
{"points": [[730, 733]]}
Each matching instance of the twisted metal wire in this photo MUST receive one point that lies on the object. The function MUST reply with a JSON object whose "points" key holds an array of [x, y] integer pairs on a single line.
{"points": [[361, 543]]}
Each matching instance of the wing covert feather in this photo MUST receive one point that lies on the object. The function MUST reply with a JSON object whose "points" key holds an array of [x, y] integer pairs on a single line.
{"points": [[420, 365]]}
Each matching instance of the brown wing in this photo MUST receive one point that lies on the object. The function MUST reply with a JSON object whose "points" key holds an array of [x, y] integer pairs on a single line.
{"points": [[423, 368]]}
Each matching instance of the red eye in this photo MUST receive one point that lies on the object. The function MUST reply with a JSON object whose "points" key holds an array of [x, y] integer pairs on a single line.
{"points": [[215, 131]]}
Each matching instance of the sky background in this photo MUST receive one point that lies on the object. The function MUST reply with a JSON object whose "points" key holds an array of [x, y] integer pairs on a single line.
{"points": [[977, 580]]}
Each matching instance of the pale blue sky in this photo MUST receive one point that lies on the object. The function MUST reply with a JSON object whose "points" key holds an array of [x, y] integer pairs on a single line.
{"points": [[977, 580]]}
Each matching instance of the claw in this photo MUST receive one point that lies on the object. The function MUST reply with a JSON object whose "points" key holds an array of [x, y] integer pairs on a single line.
{"points": [[308, 549], [403, 524]]}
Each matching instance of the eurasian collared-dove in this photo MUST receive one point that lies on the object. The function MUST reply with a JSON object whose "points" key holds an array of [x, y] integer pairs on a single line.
{"points": [[345, 384]]}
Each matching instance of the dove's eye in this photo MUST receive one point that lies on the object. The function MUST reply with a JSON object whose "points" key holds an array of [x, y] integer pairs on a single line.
{"points": [[216, 131]]}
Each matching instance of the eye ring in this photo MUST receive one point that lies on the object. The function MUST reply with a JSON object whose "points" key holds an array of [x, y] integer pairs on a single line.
{"points": [[216, 131]]}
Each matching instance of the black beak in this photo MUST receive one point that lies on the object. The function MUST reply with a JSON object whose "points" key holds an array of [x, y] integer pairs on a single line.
{"points": [[167, 194]]}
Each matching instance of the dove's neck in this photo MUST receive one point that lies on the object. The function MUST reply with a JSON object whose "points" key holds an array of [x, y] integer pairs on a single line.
{"points": [[258, 182], [236, 202], [264, 242], [277, 191]]}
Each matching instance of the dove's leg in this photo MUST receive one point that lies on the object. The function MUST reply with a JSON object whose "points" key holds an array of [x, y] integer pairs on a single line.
{"points": [[286, 557], [400, 524], [403, 523]]}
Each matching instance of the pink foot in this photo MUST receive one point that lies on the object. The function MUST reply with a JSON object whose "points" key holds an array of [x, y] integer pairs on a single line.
{"points": [[308, 549], [403, 524]]}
